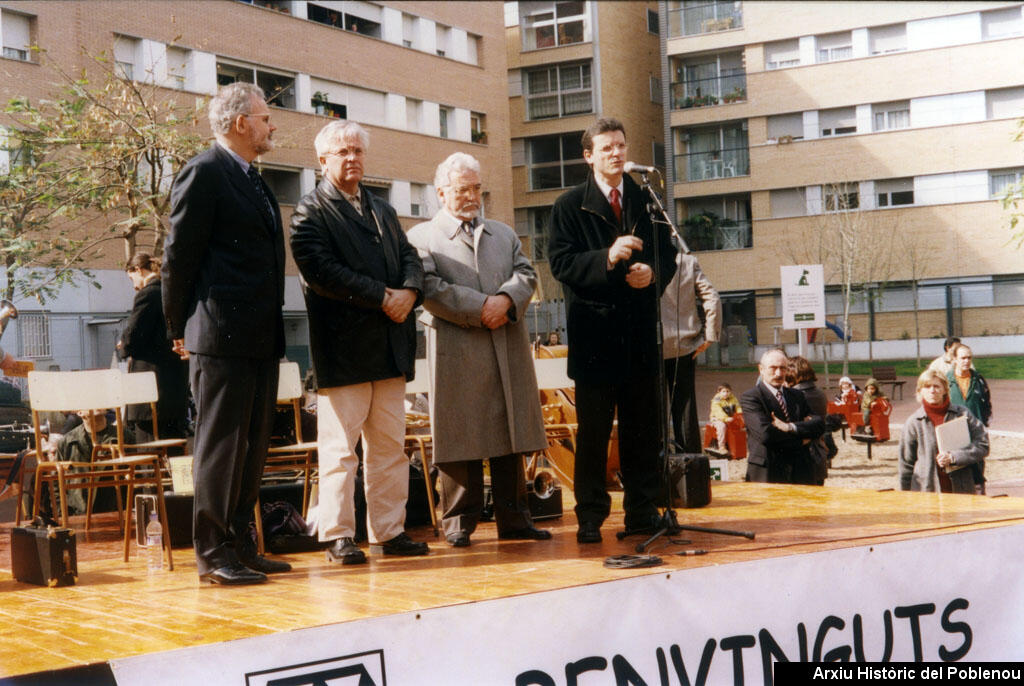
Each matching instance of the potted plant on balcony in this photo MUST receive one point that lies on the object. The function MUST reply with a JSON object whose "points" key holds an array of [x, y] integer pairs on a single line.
{"points": [[319, 102]]}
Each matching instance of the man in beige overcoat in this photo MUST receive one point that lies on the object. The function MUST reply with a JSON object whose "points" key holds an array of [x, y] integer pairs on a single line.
{"points": [[483, 392]]}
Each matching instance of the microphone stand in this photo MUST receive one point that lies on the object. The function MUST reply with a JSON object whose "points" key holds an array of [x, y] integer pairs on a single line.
{"points": [[667, 521]]}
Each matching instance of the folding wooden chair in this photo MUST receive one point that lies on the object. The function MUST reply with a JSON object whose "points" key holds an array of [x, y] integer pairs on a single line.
{"points": [[141, 388], [92, 390]]}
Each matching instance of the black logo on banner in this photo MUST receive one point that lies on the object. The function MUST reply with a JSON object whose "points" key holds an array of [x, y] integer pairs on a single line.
{"points": [[361, 669]]}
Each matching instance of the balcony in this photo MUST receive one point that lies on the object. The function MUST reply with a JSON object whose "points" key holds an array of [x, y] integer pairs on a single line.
{"points": [[708, 231], [693, 18], [709, 92], [716, 164]]}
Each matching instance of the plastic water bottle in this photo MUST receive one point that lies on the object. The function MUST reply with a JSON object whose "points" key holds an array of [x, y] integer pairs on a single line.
{"points": [[154, 544]]}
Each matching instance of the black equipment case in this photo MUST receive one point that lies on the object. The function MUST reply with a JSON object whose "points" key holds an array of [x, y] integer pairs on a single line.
{"points": [[44, 556], [689, 477]]}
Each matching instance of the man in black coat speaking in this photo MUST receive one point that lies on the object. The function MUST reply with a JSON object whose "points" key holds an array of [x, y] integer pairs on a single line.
{"points": [[223, 289], [602, 250]]}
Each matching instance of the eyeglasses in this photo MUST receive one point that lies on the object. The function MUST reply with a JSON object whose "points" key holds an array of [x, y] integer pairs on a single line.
{"points": [[464, 190]]}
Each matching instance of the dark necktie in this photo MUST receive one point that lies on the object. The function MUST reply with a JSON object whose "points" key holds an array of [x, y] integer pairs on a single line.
{"points": [[782, 403], [257, 182], [613, 198], [468, 228]]}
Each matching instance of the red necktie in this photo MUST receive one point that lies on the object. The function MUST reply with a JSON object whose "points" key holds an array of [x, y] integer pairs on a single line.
{"points": [[613, 197]]}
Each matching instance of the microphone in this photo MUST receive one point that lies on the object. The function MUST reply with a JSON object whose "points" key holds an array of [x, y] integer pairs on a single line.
{"points": [[630, 167]]}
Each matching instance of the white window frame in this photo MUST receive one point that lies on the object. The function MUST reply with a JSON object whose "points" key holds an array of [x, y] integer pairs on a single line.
{"points": [[34, 330], [529, 25], [555, 71]]}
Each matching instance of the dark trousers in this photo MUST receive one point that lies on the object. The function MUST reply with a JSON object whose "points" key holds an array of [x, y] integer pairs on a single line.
{"points": [[235, 399], [679, 379], [462, 494], [638, 406]]}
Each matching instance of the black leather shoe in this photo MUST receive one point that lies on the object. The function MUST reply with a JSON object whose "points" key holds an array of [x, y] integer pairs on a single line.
{"points": [[458, 540], [345, 551], [235, 574], [589, 532], [399, 545], [266, 565], [646, 524], [528, 533]]}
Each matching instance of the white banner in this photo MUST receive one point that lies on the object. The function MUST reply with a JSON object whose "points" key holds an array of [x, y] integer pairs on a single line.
{"points": [[951, 597]]}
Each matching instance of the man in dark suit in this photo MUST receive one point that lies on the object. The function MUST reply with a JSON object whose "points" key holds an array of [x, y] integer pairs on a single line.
{"points": [[223, 288], [362, 280], [780, 426], [602, 250]]}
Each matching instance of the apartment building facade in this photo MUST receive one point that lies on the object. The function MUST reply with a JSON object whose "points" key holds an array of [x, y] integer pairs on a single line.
{"points": [[419, 76], [568, 64], [786, 117]]}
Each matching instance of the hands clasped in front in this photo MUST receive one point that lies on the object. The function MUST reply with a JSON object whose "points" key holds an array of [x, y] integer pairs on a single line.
{"points": [[494, 313], [398, 303], [639, 275]]}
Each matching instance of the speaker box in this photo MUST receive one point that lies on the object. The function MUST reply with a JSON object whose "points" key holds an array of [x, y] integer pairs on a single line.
{"points": [[689, 478]]}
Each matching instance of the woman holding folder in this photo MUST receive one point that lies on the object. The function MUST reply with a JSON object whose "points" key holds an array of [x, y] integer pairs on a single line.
{"points": [[938, 440]]}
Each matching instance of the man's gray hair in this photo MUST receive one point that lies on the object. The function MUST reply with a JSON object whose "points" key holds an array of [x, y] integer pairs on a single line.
{"points": [[456, 162], [337, 132], [231, 101]]}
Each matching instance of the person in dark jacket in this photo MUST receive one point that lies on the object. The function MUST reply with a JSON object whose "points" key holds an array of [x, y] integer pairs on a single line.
{"points": [[145, 343], [823, 448], [968, 388], [361, 281], [223, 288], [601, 249]]}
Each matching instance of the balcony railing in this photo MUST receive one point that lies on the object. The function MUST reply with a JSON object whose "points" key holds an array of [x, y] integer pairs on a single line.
{"points": [[707, 92], [691, 20], [718, 164], [717, 234]]}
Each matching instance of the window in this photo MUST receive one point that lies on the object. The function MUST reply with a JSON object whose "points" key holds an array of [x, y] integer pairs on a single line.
{"points": [[690, 17], [177, 63], [555, 161], [713, 153], [838, 122], [558, 91], [413, 114], [785, 128], [895, 192], [478, 127], [891, 115], [444, 114], [35, 334], [1004, 103], [538, 218], [15, 35], [1001, 180], [835, 46], [1001, 23], [285, 183], [782, 54], [655, 88], [708, 80], [788, 202], [841, 197], [417, 199], [125, 51], [549, 24], [279, 86], [717, 222], [652, 22], [14, 152], [887, 39], [357, 23]]}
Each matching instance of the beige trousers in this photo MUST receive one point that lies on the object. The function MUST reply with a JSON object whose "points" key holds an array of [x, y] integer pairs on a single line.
{"points": [[375, 410]]}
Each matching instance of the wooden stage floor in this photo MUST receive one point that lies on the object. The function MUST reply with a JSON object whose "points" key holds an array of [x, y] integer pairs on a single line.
{"points": [[118, 610]]}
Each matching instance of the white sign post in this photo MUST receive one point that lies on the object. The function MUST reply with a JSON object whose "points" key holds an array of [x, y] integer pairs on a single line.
{"points": [[803, 299]]}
